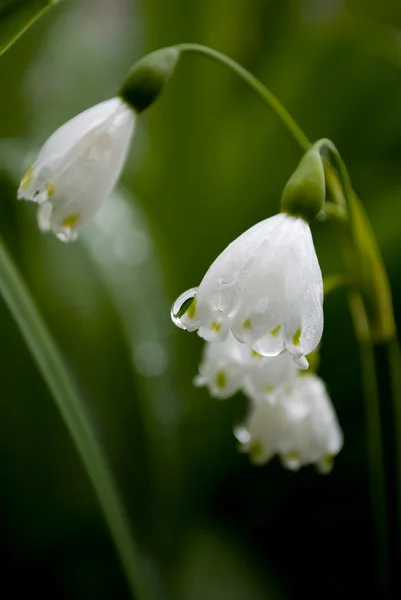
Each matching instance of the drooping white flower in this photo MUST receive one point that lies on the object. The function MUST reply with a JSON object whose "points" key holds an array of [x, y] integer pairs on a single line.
{"points": [[222, 367], [266, 287], [264, 377], [229, 366], [78, 166], [301, 427]]}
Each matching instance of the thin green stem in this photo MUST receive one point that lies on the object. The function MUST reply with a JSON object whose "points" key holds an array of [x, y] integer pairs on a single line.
{"points": [[374, 436], [354, 261], [262, 91], [376, 461], [50, 363]]}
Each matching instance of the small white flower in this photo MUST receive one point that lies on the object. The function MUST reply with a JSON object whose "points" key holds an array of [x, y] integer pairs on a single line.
{"points": [[264, 377], [229, 366], [222, 367], [266, 287], [301, 427], [78, 166]]}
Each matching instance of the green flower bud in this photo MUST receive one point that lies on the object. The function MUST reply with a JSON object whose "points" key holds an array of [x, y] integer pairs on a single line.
{"points": [[147, 78], [305, 191]]}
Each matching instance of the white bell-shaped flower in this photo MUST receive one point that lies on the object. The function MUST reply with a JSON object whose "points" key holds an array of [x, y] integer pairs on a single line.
{"points": [[229, 366], [264, 377], [78, 166], [266, 287], [222, 367], [301, 427]]}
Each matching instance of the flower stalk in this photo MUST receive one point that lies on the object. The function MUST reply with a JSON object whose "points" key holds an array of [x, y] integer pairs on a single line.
{"points": [[257, 86]]}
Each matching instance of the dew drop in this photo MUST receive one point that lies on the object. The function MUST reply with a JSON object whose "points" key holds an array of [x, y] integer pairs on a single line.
{"points": [[180, 307], [242, 434]]}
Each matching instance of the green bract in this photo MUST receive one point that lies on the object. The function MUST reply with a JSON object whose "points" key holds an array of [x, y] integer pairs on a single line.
{"points": [[147, 78], [305, 191]]}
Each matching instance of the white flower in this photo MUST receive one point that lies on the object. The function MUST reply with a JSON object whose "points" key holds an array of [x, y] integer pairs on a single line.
{"points": [[266, 287], [229, 366], [222, 367], [301, 427], [264, 377], [78, 166]]}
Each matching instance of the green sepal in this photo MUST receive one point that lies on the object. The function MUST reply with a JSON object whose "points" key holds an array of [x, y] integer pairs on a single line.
{"points": [[148, 77], [305, 192]]}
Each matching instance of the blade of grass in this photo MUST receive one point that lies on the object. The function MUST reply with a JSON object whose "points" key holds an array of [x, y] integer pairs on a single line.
{"points": [[16, 16], [52, 367]]}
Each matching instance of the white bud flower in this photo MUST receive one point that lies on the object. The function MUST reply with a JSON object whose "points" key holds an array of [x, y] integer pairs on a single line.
{"points": [[301, 427], [229, 366], [266, 287], [78, 166]]}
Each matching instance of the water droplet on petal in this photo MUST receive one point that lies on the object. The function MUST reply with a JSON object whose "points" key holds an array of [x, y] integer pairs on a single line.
{"points": [[181, 306], [242, 434]]}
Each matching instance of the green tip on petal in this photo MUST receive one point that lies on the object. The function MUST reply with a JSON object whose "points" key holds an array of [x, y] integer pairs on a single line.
{"points": [[147, 78], [221, 380], [325, 465], [314, 363], [255, 452], [305, 192]]}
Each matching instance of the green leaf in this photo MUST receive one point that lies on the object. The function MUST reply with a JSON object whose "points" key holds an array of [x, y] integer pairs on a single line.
{"points": [[16, 16], [68, 400]]}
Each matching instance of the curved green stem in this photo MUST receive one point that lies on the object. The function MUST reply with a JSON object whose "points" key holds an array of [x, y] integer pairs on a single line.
{"points": [[51, 365], [368, 268], [371, 308], [374, 436], [261, 90]]}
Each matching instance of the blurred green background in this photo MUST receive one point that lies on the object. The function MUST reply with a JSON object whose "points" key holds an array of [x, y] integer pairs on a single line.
{"points": [[208, 161]]}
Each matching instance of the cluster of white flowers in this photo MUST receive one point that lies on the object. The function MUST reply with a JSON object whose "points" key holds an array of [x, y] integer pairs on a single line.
{"points": [[291, 414], [260, 309]]}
